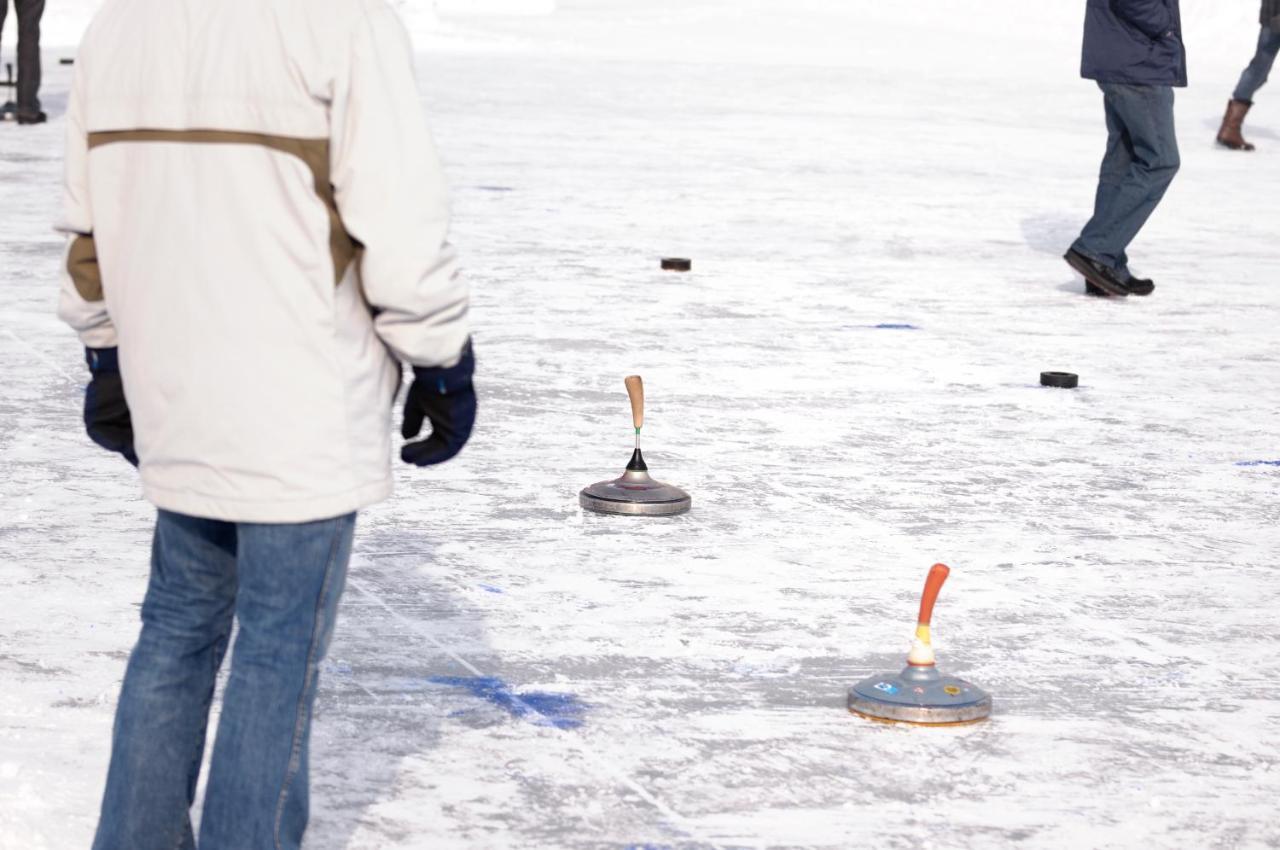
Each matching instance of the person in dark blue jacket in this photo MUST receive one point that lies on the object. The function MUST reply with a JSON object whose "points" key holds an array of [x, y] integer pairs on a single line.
{"points": [[1133, 49]]}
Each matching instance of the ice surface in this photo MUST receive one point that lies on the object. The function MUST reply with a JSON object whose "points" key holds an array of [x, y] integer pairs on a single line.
{"points": [[837, 171]]}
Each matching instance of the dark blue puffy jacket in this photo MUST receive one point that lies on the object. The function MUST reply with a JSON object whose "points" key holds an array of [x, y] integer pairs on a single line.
{"points": [[1134, 41]]}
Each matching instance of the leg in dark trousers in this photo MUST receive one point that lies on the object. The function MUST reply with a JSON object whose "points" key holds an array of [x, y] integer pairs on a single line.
{"points": [[1256, 74], [1116, 163], [29, 14], [163, 710], [1140, 163]]}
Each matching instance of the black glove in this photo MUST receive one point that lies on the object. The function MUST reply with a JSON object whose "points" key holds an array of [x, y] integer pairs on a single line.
{"points": [[447, 398], [106, 413]]}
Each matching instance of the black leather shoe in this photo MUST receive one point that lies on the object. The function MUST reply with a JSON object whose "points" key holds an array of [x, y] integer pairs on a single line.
{"points": [[36, 117], [1137, 286], [1103, 278], [1140, 286]]}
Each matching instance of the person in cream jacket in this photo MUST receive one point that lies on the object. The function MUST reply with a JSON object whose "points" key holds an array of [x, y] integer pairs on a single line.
{"points": [[257, 225]]}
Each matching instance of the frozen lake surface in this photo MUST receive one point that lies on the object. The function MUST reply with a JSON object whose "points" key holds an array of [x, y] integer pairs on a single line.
{"points": [[876, 202]]}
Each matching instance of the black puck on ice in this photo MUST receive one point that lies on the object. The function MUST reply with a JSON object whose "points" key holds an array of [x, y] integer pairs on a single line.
{"points": [[677, 264], [1065, 380], [66, 61]]}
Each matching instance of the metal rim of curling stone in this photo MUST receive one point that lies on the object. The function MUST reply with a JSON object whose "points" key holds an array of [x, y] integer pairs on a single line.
{"points": [[635, 493], [922, 696]]}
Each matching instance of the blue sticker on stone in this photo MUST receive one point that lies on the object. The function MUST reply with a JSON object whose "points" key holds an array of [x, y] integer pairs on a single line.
{"points": [[888, 687]]}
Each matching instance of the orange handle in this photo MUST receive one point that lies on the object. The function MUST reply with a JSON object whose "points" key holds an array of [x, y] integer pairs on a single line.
{"points": [[932, 586]]}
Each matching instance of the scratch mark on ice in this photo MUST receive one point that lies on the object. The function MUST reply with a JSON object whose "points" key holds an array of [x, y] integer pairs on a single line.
{"points": [[40, 355]]}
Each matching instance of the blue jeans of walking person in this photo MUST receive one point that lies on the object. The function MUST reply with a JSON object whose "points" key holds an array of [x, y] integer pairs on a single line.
{"points": [[282, 584], [1140, 163], [1255, 76]]}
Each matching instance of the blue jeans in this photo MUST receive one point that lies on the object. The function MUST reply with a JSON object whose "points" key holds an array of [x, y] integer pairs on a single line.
{"points": [[1255, 76], [1140, 163], [282, 583]]}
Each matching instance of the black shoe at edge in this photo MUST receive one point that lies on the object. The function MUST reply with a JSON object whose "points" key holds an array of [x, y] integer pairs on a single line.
{"points": [[1137, 286], [1101, 278], [1140, 286]]}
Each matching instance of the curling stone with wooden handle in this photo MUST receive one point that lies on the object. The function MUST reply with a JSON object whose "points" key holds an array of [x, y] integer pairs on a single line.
{"points": [[635, 492]]}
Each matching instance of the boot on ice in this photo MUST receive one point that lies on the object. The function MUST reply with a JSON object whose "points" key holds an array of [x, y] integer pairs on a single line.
{"points": [[1232, 133]]}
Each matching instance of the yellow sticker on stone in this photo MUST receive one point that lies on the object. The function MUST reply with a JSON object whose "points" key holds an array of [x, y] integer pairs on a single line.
{"points": [[951, 689]]}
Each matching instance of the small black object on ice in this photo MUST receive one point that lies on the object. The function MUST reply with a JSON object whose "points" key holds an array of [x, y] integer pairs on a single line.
{"points": [[66, 61], [677, 264], [1065, 380]]}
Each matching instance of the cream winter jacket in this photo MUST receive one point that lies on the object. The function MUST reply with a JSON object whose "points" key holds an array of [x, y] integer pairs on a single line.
{"points": [[257, 218]]}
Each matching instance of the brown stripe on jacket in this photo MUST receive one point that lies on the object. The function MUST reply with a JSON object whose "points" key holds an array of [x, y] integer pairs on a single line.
{"points": [[343, 248]]}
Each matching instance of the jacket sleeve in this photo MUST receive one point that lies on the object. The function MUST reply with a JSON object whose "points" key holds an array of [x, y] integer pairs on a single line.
{"points": [[390, 192], [81, 303], [1152, 17]]}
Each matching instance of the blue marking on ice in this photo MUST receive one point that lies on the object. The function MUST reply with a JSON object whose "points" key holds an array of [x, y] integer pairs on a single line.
{"points": [[648, 847], [1258, 463], [491, 589], [891, 326], [563, 711]]}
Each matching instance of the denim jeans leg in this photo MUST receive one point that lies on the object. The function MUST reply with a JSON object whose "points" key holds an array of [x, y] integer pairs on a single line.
{"points": [[1255, 76], [1146, 115], [1115, 165], [291, 578], [163, 710]]}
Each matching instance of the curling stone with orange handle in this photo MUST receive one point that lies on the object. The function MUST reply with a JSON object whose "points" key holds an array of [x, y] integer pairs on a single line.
{"points": [[919, 694]]}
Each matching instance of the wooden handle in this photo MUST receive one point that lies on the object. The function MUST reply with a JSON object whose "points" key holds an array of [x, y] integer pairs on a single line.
{"points": [[932, 585], [635, 389]]}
